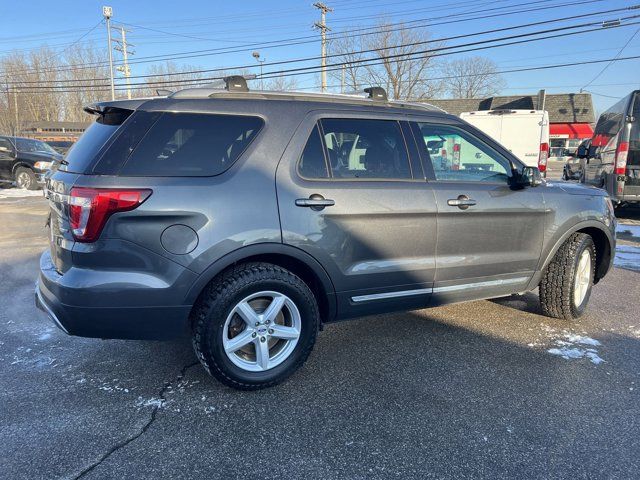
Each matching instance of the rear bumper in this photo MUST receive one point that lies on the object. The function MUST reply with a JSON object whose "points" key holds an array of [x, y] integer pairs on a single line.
{"points": [[628, 198], [122, 322]]}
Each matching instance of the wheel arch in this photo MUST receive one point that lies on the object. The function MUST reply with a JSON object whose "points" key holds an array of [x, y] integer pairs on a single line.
{"points": [[603, 239], [20, 163], [293, 259]]}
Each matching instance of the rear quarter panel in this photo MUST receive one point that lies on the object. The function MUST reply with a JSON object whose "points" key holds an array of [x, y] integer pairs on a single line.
{"points": [[227, 212]]}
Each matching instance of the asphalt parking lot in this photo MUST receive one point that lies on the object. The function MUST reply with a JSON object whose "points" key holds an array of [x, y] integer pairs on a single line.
{"points": [[485, 389]]}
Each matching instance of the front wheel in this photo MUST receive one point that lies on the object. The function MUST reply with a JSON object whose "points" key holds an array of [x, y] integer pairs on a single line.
{"points": [[26, 179], [566, 284], [255, 325]]}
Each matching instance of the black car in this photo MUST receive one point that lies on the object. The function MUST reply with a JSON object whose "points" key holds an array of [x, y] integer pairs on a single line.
{"points": [[61, 146], [25, 161]]}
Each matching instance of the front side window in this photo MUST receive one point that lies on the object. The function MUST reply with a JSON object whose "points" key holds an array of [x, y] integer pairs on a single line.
{"points": [[458, 156], [191, 145], [368, 149]]}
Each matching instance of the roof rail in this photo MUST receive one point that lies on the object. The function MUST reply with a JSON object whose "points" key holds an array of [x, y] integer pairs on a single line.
{"points": [[237, 84], [377, 93]]}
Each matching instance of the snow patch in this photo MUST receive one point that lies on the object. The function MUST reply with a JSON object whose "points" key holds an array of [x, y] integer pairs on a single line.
{"points": [[627, 256], [572, 347], [628, 231], [151, 402], [19, 193]]}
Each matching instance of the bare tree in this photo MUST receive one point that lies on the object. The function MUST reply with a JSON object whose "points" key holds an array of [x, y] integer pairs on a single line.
{"points": [[167, 76], [395, 57], [281, 83], [86, 78], [472, 77]]}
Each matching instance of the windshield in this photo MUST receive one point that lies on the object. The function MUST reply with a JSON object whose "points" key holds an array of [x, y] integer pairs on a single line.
{"points": [[33, 146]]}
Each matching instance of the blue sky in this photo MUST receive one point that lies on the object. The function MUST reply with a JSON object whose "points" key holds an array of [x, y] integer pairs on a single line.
{"points": [[217, 24]]}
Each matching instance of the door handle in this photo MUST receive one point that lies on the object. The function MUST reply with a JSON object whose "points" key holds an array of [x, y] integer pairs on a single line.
{"points": [[315, 202], [462, 202]]}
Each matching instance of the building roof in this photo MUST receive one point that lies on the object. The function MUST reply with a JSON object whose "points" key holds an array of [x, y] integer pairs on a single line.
{"points": [[562, 107]]}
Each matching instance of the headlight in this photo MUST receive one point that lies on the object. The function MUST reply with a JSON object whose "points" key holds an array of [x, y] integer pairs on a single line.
{"points": [[43, 165]]}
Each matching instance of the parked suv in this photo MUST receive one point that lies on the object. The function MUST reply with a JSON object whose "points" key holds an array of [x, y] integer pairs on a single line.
{"points": [[612, 159], [250, 219], [26, 161]]}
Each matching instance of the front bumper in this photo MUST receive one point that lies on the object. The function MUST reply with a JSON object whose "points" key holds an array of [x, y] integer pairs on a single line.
{"points": [[80, 318], [40, 178]]}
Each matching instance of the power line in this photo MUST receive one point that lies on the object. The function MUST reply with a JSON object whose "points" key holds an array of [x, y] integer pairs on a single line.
{"points": [[353, 32], [373, 50], [499, 72], [609, 64]]}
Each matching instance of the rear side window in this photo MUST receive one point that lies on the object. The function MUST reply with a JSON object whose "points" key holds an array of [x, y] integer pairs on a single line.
{"points": [[191, 145], [85, 151], [125, 142], [363, 148]]}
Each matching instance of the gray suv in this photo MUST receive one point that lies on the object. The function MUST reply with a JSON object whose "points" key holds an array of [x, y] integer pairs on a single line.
{"points": [[249, 219]]}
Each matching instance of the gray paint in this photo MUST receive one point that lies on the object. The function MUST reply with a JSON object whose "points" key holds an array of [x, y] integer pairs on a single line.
{"points": [[380, 239]]}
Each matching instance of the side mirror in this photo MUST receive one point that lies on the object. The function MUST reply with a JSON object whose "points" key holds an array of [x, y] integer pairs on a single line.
{"points": [[529, 177], [533, 175], [582, 152]]}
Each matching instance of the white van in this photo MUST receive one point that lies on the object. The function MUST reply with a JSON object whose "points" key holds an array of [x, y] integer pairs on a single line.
{"points": [[523, 132]]}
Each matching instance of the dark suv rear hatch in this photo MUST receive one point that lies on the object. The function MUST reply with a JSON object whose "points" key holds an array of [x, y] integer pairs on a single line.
{"points": [[80, 160]]}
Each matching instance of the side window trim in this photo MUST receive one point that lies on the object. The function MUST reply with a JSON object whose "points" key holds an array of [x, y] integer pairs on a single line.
{"points": [[418, 170], [428, 163], [425, 159]]}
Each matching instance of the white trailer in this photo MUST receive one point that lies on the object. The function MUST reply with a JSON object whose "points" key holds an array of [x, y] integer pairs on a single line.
{"points": [[523, 132]]}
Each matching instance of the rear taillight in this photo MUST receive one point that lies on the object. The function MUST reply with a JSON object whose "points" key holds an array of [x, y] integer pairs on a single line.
{"points": [[543, 157], [621, 158], [90, 208]]}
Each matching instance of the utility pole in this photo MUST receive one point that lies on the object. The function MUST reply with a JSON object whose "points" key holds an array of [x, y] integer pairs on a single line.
{"points": [[122, 46], [322, 26], [256, 55], [15, 106], [107, 13], [344, 68]]}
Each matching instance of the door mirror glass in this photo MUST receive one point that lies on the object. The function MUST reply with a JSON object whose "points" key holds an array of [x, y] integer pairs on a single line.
{"points": [[583, 151], [529, 177]]}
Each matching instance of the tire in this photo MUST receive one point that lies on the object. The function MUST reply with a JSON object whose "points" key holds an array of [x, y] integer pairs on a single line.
{"points": [[26, 179], [219, 314], [565, 177], [559, 295]]}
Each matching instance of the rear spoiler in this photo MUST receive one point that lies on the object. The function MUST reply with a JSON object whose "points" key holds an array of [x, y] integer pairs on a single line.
{"points": [[99, 108]]}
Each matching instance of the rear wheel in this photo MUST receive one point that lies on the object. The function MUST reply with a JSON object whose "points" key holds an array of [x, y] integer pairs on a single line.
{"points": [[566, 283], [255, 325], [26, 179]]}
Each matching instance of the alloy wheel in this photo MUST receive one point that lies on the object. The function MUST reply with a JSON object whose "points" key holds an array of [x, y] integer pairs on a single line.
{"points": [[583, 278], [261, 331], [23, 180]]}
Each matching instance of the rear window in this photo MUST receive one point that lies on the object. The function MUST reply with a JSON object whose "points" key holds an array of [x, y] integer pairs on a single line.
{"points": [[85, 151], [191, 144]]}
